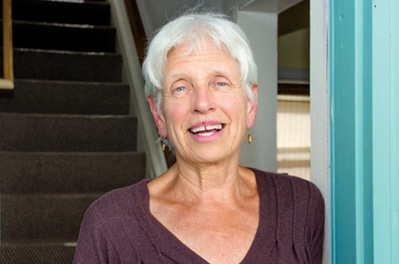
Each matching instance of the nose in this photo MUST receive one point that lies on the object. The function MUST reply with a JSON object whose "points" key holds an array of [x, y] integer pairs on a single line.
{"points": [[203, 100]]}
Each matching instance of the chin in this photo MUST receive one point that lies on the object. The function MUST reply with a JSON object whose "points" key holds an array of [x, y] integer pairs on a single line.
{"points": [[210, 156]]}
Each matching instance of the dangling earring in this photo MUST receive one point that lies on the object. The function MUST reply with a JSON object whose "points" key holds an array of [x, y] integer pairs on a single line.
{"points": [[163, 145], [249, 137]]}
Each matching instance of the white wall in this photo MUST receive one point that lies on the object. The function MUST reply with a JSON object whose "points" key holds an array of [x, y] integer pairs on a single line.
{"points": [[261, 30], [320, 111]]}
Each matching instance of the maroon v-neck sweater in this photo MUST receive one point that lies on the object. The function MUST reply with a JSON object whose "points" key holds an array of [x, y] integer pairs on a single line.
{"points": [[119, 228]]}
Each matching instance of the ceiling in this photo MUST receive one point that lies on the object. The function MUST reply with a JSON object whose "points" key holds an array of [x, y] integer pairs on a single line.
{"points": [[155, 13]]}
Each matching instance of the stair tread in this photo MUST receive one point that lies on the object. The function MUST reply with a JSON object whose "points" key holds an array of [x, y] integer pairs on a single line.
{"points": [[68, 52], [61, 25], [71, 37], [71, 153], [66, 82], [66, 97], [39, 242], [65, 133], [69, 173], [43, 216], [63, 196], [39, 254], [67, 116], [85, 12], [66, 65]]}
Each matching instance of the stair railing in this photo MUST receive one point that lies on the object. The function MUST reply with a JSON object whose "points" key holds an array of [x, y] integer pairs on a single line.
{"points": [[8, 81], [140, 39], [148, 135]]}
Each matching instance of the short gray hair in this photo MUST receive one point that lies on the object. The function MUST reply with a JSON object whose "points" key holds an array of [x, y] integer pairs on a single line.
{"points": [[193, 29]]}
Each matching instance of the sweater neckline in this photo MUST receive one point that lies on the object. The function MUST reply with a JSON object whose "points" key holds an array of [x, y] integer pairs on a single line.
{"points": [[170, 246]]}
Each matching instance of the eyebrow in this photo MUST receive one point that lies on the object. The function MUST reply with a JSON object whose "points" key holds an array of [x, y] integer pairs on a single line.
{"points": [[214, 73]]}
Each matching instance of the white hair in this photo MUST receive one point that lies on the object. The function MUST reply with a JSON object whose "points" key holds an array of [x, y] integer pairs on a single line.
{"points": [[193, 30]]}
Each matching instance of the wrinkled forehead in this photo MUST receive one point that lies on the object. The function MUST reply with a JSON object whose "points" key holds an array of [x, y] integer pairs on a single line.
{"points": [[204, 48], [199, 46]]}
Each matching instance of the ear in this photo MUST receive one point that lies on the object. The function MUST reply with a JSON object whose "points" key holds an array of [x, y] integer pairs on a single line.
{"points": [[252, 108], [158, 118]]}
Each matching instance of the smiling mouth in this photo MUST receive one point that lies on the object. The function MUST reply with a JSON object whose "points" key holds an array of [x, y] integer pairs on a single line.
{"points": [[206, 131]]}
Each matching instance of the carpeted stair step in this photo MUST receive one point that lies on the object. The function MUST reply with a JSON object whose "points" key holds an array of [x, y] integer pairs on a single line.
{"points": [[63, 37], [43, 217], [72, 12], [61, 97], [66, 66], [33, 253], [67, 133], [35, 173]]}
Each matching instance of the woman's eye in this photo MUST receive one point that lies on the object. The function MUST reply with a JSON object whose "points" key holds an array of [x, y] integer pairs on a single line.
{"points": [[180, 89], [222, 85]]}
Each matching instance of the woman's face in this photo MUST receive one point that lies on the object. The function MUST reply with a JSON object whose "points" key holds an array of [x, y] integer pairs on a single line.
{"points": [[205, 109]]}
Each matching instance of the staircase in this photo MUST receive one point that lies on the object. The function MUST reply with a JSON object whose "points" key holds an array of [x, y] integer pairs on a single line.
{"points": [[66, 136]]}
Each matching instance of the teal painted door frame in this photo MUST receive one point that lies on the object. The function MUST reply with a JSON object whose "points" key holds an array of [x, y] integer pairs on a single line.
{"points": [[364, 99], [385, 131]]}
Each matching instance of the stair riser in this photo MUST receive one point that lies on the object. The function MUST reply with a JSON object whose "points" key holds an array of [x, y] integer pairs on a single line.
{"points": [[50, 217], [37, 254], [67, 133], [65, 98], [63, 37], [96, 12], [66, 66], [35, 173]]}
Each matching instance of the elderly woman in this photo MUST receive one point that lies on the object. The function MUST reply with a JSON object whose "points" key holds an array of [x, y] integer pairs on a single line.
{"points": [[202, 89]]}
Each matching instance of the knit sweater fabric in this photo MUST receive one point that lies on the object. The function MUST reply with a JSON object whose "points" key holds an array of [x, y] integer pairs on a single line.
{"points": [[119, 227]]}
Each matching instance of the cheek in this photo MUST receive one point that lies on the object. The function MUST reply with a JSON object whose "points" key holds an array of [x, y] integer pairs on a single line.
{"points": [[233, 104], [175, 113]]}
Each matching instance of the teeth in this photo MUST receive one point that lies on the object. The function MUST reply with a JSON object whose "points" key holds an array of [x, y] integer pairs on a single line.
{"points": [[203, 128], [206, 134], [198, 129], [214, 127]]}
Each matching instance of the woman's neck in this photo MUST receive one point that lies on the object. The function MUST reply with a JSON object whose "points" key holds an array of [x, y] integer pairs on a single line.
{"points": [[220, 183]]}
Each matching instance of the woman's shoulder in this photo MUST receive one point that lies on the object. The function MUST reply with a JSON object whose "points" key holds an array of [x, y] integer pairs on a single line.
{"points": [[287, 186], [299, 207], [108, 227], [118, 201]]}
